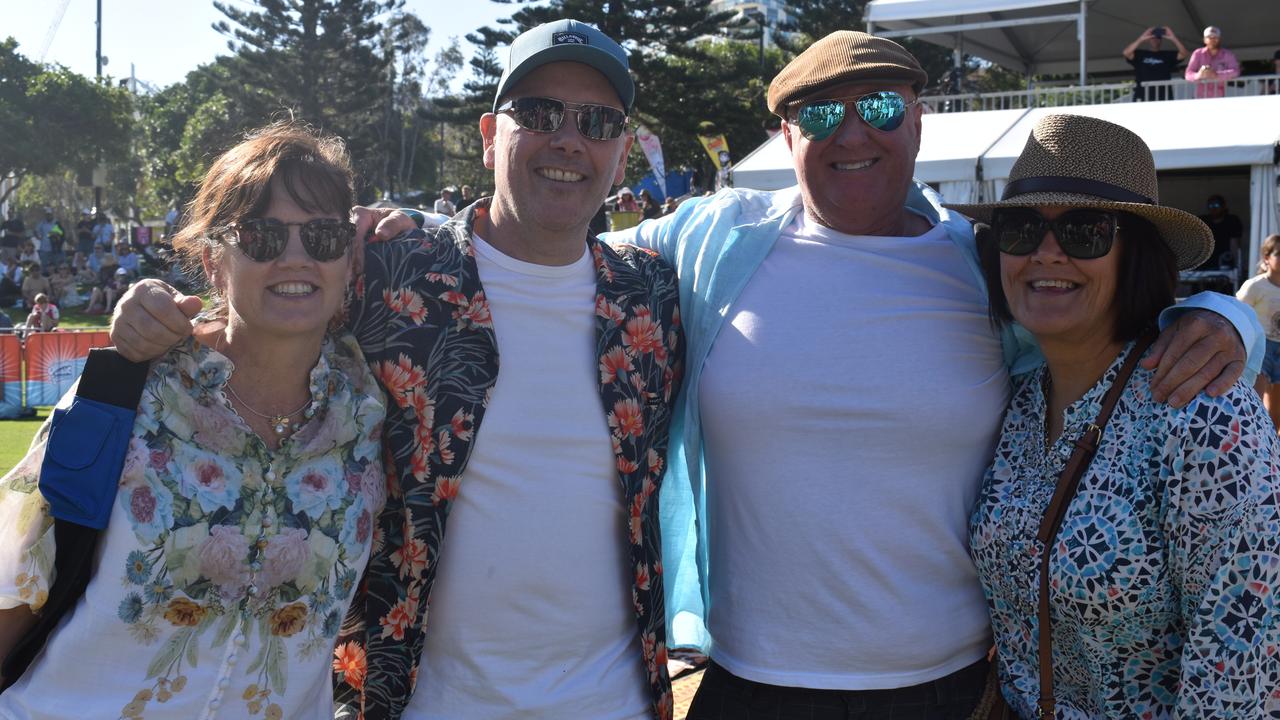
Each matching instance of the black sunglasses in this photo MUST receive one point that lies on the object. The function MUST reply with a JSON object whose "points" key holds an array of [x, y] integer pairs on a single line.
{"points": [[1082, 234], [884, 111], [546, 115], [264, 239]]}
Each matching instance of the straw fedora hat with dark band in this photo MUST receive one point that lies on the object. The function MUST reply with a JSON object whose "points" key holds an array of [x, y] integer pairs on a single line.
{"points": [[1079, 161]]}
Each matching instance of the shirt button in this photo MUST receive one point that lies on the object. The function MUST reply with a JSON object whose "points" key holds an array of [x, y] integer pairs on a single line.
{"points": [[224, 682], [253, 589], [231, 660], [215, 703], [238, 640], [271, 474]]}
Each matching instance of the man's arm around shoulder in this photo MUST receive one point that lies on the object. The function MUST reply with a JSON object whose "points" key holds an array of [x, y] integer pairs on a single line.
{"points": [[660, 235]]}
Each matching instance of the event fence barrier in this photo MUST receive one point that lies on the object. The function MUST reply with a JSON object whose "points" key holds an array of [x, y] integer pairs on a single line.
{"points": [[10, 376], [53, 362]]}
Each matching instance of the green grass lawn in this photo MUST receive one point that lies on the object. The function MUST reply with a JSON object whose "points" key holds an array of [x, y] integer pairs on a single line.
{"points": [[15, 437], [72, 319]]}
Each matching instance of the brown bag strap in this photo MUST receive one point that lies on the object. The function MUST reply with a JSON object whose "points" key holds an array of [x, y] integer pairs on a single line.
{"points": [[1068, 481]]}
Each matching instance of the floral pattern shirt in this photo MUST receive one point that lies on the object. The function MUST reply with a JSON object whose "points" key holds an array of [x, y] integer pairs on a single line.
{"points": [[422, 319], [226, 567], [1165, 574]]}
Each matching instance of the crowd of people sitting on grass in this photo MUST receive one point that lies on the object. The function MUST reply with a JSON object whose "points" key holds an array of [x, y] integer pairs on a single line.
{"points": [[41, 279]]}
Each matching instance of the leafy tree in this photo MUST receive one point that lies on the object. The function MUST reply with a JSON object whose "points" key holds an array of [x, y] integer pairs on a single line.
{"points": [[675, 68], [734, 107], [323, 61], [179, 131], [53, 120], [454, 118], [418, 78]]}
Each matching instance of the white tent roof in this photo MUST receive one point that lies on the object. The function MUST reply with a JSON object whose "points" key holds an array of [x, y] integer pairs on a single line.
{"points": [[1182, 134], [1248, 28], [768, 167], [951, 143]]}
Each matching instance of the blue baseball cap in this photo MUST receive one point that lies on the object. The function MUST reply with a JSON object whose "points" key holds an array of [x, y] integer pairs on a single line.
{"points": [[568, 41]]}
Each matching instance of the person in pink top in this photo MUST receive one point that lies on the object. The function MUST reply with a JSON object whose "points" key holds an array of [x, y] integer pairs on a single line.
{"points": [[1212, 62]]}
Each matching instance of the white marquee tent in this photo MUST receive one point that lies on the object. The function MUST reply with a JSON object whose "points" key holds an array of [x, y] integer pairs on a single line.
{"points": [[968, 155]]}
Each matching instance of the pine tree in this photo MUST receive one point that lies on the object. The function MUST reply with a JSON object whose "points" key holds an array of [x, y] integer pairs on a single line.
{"points": [[673, 58], [321, 61], [454, 118]]}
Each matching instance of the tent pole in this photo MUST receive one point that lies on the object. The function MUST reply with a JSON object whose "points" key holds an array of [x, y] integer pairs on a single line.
{"points": [[1080, 27]]}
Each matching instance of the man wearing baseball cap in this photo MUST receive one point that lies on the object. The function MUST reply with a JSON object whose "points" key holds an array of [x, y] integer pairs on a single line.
{"points": [[546, 601], [843, 399], [1212, 64]]}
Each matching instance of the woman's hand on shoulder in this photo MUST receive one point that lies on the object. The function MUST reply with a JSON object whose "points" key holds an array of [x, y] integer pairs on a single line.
{"points": [[150, 318]]}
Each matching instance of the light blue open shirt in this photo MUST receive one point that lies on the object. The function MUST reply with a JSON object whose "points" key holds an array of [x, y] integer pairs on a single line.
{"points": [[716, 244]]}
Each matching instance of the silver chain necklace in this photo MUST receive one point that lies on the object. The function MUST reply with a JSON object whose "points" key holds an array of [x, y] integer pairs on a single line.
{"points": [[281, 424]]}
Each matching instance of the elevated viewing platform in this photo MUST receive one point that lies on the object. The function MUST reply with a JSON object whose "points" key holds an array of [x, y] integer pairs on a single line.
{"points": [[1101, 94]]}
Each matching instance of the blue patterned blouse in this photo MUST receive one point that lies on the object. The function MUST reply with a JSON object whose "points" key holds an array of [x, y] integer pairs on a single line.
{"points": [[1166, 572]]}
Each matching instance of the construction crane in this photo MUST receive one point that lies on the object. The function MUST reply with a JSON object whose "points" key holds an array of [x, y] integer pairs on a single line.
{"points": [[58, 12]]}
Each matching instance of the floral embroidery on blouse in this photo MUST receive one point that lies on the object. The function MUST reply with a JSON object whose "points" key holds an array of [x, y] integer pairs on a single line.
{"points": [[220, 539], [1165, 572]]}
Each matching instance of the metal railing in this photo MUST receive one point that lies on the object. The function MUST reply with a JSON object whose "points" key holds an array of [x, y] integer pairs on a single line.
{"points": [[1102, 94]]}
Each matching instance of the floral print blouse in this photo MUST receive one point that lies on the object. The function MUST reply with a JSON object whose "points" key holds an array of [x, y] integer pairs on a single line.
{"points": [[226, 567], [1165, 574]]}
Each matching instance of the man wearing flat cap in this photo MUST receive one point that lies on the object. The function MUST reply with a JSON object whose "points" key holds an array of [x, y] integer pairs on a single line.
{"points": [[844, 394], [542, 470]]}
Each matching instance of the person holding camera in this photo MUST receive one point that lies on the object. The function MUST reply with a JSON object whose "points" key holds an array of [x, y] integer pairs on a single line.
{"points": [[1153, 64]]}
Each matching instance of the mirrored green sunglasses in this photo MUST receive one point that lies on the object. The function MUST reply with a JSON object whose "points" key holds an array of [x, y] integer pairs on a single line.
{"points": [[884, 111]]}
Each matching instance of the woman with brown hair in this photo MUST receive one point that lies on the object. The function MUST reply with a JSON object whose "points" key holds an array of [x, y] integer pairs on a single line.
{"points": [[244, 511]]}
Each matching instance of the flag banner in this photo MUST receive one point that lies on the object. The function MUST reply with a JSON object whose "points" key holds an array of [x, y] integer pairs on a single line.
{"points": [[718, 148], [652, 148]]}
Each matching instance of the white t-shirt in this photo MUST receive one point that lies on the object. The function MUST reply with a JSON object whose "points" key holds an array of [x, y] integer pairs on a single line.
{"points": [[849, 407], [1259, 293], [531, 613]]}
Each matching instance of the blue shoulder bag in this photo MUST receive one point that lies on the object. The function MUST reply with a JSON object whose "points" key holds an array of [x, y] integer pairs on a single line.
{"points": [[84, 456]]}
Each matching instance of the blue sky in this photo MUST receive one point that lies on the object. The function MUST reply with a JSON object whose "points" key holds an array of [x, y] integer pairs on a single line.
{"points": [[165, 39]]}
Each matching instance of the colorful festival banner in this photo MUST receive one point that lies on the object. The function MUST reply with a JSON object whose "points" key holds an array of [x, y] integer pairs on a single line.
{"points": [[54, 362], [718, 148], [652, 148], [10, 376]]}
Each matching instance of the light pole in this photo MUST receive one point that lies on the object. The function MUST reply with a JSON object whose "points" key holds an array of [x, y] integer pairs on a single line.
{"points": [[97, 189]]}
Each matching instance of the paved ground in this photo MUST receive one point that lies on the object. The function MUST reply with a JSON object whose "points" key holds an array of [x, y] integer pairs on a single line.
{"points": [[682, 690]]}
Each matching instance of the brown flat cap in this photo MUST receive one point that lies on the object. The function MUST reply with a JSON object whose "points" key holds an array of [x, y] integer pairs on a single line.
{"points": [[841, 57]]}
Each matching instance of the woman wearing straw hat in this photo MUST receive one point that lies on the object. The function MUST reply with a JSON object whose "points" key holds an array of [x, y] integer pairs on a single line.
{"points": [[1159, 584]]}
